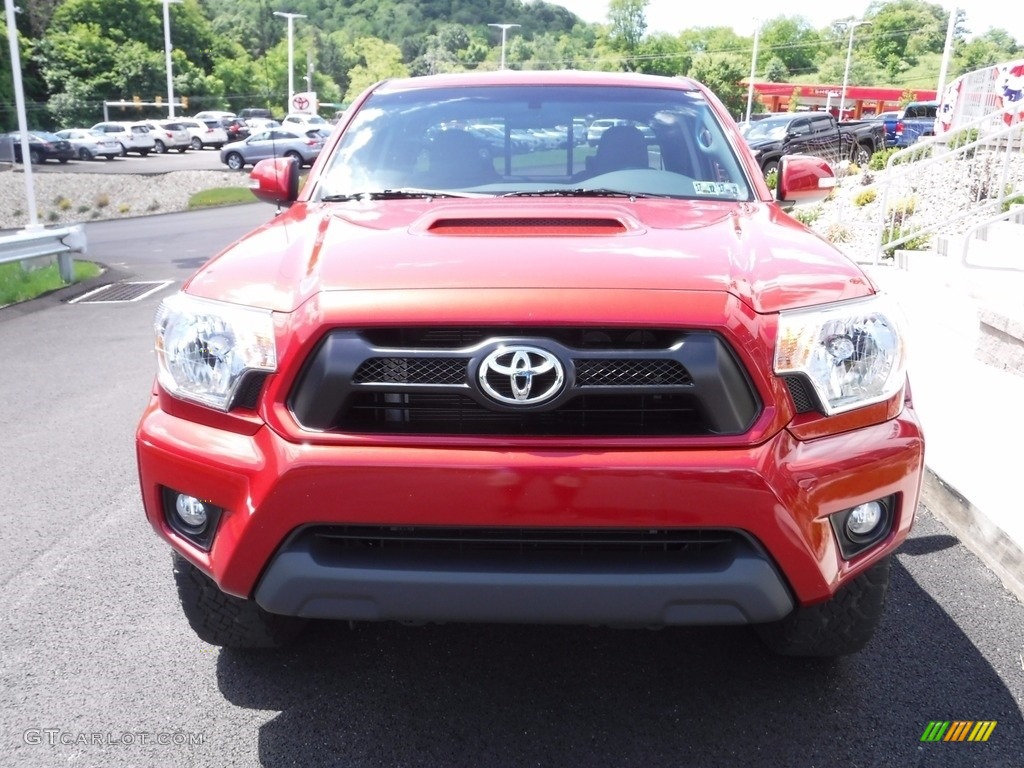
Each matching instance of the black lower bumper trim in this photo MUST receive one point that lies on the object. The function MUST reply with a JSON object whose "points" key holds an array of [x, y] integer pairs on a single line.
{"points": [[735, 584]]}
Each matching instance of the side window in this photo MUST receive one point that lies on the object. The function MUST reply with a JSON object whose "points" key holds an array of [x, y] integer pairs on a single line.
{"points": [[821, 124], [800, 127]]}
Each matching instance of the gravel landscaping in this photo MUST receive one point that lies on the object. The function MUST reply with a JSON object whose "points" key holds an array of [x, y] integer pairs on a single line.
{"points": [[70, 198]]}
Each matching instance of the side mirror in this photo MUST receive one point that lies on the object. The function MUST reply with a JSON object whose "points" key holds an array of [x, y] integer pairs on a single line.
{"points": [[803, 180], [275, 180]]}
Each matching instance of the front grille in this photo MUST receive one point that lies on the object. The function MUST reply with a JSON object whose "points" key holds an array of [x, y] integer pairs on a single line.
{"points": [[525, 541], [614, 416], [616, 382]]}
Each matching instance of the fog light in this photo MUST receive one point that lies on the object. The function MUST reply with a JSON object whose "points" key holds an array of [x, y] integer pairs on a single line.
{"points": [[191, 511], [863, 519]]}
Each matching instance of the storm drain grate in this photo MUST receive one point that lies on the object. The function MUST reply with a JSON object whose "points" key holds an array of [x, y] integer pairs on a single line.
{"points": [[121, 292]]}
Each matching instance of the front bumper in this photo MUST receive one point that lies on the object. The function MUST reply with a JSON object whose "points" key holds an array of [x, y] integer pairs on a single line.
{"points": [[775, 496]]}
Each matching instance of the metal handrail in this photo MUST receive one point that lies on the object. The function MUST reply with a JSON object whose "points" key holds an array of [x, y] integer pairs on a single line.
{"points": [[1015, 212]]}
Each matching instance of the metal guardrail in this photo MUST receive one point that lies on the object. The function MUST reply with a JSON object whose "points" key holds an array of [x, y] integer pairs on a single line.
{"points": [[34, 243]]}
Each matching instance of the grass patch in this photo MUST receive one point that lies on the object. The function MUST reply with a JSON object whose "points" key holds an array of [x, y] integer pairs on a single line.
{"points": [[209, 198], [17, 284]]}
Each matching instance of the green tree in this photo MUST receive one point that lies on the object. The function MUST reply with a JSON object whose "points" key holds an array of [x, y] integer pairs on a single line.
{"points": [[628, 22], [993, 47], [723, 75], [378, 60], [775, 70], [662, 54], [792, 40]]}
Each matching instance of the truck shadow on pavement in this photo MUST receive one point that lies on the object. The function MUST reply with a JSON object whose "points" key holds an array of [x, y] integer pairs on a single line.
{"points": [[460, 695]]}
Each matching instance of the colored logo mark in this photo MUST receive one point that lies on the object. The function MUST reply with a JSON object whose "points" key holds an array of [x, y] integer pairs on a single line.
{"points": [[958, 730]]}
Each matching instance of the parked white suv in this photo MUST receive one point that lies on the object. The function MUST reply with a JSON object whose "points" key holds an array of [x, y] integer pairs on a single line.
{"points": [[204, 133], [132, 136], [168, 135]]}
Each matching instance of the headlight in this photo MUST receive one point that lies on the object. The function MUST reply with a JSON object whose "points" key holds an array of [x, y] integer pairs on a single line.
{"points": [[852, 353], [205, 348]]}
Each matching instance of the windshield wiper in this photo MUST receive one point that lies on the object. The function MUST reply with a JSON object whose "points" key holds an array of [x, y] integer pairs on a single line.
{"points": [[391, 194], [580, 192]]}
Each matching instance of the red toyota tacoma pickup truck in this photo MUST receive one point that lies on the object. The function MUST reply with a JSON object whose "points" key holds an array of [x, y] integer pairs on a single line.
{"points": [[482, 371]]}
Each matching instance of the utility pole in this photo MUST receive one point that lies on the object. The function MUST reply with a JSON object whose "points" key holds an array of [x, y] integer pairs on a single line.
{"points": [[291, 51], [504, 29]]}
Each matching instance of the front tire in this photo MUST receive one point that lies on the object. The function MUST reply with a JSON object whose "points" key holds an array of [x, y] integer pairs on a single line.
{"points": [[837, 627], [861, 155], [772, 166], [226, 620], [160, 148], [35, 157], [85, 154], [234, 161], [197, 143], [296, 156]]}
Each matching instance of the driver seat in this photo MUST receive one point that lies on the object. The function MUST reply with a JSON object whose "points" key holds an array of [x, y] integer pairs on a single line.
{"points": [[619, 148]]}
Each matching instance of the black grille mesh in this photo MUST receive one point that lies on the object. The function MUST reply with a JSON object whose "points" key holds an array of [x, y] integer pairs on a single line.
{"points": [[412, 370], [804, 399], [523, 540], [630, 373]]}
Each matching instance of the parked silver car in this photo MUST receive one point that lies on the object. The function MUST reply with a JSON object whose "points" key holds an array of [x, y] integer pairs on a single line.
{"points": [[89, 144], [132, 136], [276, 142], [168, 135]]}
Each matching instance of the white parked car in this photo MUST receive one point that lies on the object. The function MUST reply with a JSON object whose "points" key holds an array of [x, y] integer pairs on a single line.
{"points": [[168, 135], [204, 133], [302, 120], [132, 136], [212, 114], [90, 144]]}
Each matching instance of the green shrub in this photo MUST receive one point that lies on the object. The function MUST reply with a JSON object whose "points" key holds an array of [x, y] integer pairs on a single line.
{"points": [[864, 197], [879, 159], [901, 210], [913, 242], [772, 179], [838, 233], [807, 216], [964, 137], [1011, 201]]}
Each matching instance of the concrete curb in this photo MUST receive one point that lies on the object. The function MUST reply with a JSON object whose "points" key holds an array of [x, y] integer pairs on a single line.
{"points": [[997, 550]]}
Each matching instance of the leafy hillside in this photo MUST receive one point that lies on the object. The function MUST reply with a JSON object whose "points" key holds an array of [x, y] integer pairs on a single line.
{"points": [[77, 54]]}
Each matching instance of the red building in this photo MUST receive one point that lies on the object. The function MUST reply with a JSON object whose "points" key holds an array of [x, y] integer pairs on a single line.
{"points": [[861, 100]]}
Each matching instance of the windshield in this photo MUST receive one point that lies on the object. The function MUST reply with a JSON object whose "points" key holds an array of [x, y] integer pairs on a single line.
{"points": [[522, 140], [774, 130]]}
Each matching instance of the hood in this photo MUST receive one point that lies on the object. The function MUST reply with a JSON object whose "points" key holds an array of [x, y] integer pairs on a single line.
{"points": [[751, 250]]}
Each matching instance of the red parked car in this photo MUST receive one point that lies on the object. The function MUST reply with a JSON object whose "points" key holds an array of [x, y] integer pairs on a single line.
{"points": [[610, 385]]}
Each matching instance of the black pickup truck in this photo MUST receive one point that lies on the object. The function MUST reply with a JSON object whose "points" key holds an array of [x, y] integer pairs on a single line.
{"points": [[813, 133]]}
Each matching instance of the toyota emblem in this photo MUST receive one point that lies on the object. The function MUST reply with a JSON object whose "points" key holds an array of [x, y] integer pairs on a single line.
{"points": [[521, 375]]}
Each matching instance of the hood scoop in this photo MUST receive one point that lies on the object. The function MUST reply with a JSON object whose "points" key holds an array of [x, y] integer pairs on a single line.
{"points": [[526, 226]]}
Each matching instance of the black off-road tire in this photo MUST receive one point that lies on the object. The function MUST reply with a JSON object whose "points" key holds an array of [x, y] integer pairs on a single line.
{"points": [[770, 167], [838, 627], [226, 620]]}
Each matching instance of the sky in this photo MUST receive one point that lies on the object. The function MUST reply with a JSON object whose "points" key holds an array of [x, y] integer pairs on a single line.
{"points": [[674, 15]]}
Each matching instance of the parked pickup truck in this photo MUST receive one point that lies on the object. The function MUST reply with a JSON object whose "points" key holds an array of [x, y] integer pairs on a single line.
{"points": [[813, 133], [916, 122], [610, 385]]}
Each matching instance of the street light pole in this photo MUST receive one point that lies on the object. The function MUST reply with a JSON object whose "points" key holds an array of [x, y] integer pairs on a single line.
{"points": [[753, 69], [291, 51], [504, 29], [167, 54], [849, 54]]}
